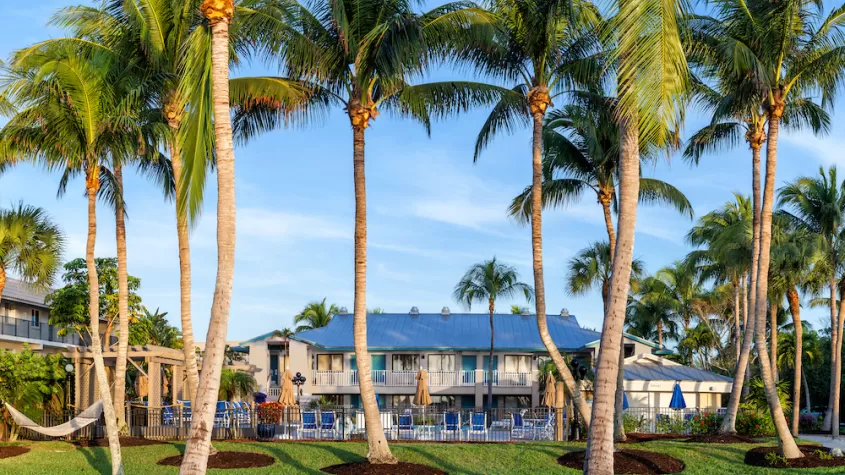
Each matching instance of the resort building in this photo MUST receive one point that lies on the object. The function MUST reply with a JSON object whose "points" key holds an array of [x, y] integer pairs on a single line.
{"points": [[24, 317], [454, 349]]}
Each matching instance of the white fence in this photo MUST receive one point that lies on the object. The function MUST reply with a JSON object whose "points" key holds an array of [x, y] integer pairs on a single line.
{"points": [[409, 378]]}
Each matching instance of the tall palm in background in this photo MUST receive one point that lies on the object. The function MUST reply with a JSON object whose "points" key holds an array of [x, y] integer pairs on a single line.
{"points": [[76, 110], [817, 205], [361, 56], [31, 246], [590, 270], [315, 315], [487, 282], [683, 284], [651, 317], [152, 328], [543, 48]]}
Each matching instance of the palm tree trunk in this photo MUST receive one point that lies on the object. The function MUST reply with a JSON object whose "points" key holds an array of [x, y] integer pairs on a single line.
{"points": [[837, 380], [737, 343], [795, 310], [195, 460], [2, 280], [807, 400], [619, 403], [828, 415], [742, 368], [608, 222], [785, 441], [122, 301], [92, 187], [773, 335], [599, 457], [378, 450], [660, 333], [184, 241], [539, 287], [490, 362]]}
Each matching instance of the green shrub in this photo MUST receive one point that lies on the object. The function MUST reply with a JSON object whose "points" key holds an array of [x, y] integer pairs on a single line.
{"points": [[634, 423], [672, 425], [774, 460], [754, 423], [823, 455], [705, 424]]}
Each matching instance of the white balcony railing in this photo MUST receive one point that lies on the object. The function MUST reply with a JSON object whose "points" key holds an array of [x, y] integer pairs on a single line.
{"points": [[409, 378]]}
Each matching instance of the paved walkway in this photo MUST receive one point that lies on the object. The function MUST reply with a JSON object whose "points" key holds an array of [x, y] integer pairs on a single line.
{"points": [[825, 440]]}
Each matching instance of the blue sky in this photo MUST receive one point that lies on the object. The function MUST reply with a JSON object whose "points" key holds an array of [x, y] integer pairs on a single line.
{"points": [[432, 212]]}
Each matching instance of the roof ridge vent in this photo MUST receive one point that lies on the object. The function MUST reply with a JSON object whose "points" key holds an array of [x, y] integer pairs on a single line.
{"points": [[343, 311], [445, 312], [525, 311], [414, 311], [564, 312]]}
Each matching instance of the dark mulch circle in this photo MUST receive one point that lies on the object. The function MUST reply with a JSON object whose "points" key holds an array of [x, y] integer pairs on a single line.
{"points": [[721, 439], [227, 460], [757, 457], [639, 462], [12, 451], [366, 468], [636, 438], [124, 442]]}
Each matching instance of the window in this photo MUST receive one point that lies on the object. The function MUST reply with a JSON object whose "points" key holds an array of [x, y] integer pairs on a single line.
{"points": [[517, 364], [406, 362], [517, 402], [437, 362], [36, 318], [329, 362], [443, 402], [330, 400], [629, 350], [400, 400]]}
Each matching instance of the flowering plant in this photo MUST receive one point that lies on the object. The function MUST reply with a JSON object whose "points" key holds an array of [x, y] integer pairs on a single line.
{"points": [[270, 412]]}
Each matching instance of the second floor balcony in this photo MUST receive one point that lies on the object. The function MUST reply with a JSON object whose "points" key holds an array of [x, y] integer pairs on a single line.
{"points": [[21, 328], [435, 378]]}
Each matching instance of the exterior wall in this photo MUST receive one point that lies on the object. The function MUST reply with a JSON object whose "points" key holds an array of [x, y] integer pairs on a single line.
{"points": [[16, 328]]}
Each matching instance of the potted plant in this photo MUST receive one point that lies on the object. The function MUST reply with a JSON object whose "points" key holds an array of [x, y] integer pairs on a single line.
{"points": [[269, 414]]}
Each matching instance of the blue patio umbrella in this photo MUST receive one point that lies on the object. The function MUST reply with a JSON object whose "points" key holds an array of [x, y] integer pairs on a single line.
{"points": [[624, 400], [677, 401], [378, 401]]}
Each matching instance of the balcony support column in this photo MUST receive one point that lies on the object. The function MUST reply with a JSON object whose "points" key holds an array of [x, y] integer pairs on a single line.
{"points": [[535, 388], [479, 388]]}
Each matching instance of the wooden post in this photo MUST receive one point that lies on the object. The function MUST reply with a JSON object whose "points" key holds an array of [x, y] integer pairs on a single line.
{"points": [[559, 401], [177, 384]]}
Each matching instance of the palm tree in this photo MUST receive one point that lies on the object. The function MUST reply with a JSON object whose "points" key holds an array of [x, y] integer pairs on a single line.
{"points": [[219, 14], [235, 384], [581, 153], [76, 111], [315, 315], [652, 312], [545, 48], [683, 285], [361, 55], [153, 329], [651, 81], [816, 205], [516, 309], [700, 339], [287, 332], [31, 245], [486, 282], [590, 269]]}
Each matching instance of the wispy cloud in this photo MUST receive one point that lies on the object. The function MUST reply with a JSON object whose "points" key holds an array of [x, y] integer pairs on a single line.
{"points": [[827, 150], [274, 224]]}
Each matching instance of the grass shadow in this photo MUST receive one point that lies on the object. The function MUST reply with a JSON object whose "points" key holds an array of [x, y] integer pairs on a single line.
{"points": [[440, 462], [97, 458], [282, 456]]}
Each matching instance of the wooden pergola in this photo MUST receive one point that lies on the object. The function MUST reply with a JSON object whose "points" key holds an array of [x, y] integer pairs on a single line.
{"points": [[85, 381]]}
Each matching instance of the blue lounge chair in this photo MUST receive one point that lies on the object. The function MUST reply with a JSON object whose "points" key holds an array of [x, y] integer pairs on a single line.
{"points": [[167, 415], [546, 429], [451, 425], [309, 423], [477, 425], [221, 414], [519, 430], [186, 411], [328, 423], [406, 426]]}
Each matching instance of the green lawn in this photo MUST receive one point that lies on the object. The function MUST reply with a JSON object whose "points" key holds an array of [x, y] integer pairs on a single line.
{"points": [[525, 458]]}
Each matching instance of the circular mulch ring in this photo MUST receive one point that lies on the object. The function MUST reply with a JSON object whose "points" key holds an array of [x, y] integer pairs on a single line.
{"points": [[721, 439], [12, 451], [636, 438], [757, 457], [639, 462], [227, 460], [124, 442], [366, 468]]}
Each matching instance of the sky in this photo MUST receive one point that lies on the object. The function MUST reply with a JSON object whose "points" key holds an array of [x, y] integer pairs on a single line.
{"points": [[432, 212]]}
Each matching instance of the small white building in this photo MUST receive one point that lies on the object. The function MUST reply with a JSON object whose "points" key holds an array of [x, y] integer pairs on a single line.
{"points": [[650, 380]]}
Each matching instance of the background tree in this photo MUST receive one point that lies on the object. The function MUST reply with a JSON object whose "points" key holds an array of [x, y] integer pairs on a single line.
{"points": [[487, 282], [315, 315], [235, 385], [152, 328], [32, 383], [31, 246]]}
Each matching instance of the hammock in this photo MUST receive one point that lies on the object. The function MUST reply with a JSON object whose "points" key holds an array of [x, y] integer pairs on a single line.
{"points": [[86, 417]]}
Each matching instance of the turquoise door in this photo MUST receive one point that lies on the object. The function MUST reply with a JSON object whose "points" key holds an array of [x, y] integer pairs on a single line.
{"points": [[353, 363], [495, 368], [274, 369], [468, 366], [379, 365]]}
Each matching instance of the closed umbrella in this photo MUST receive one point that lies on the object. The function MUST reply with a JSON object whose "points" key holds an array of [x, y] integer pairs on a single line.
{"points": [[677, 401], [287, 398], [422, 398], [624, 401], [142, 386], [549, 394]]}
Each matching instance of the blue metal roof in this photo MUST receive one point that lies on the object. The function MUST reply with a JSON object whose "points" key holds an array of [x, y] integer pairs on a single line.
{"points": [[458, 331], [658, 372]]}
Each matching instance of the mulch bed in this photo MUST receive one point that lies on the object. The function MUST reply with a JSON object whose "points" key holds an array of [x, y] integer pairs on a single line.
{"points": [[227, 460], [12, 451], [366, 468], [721, 439], [124, 442], [639, 462], [757, 458], [636, 438]]}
